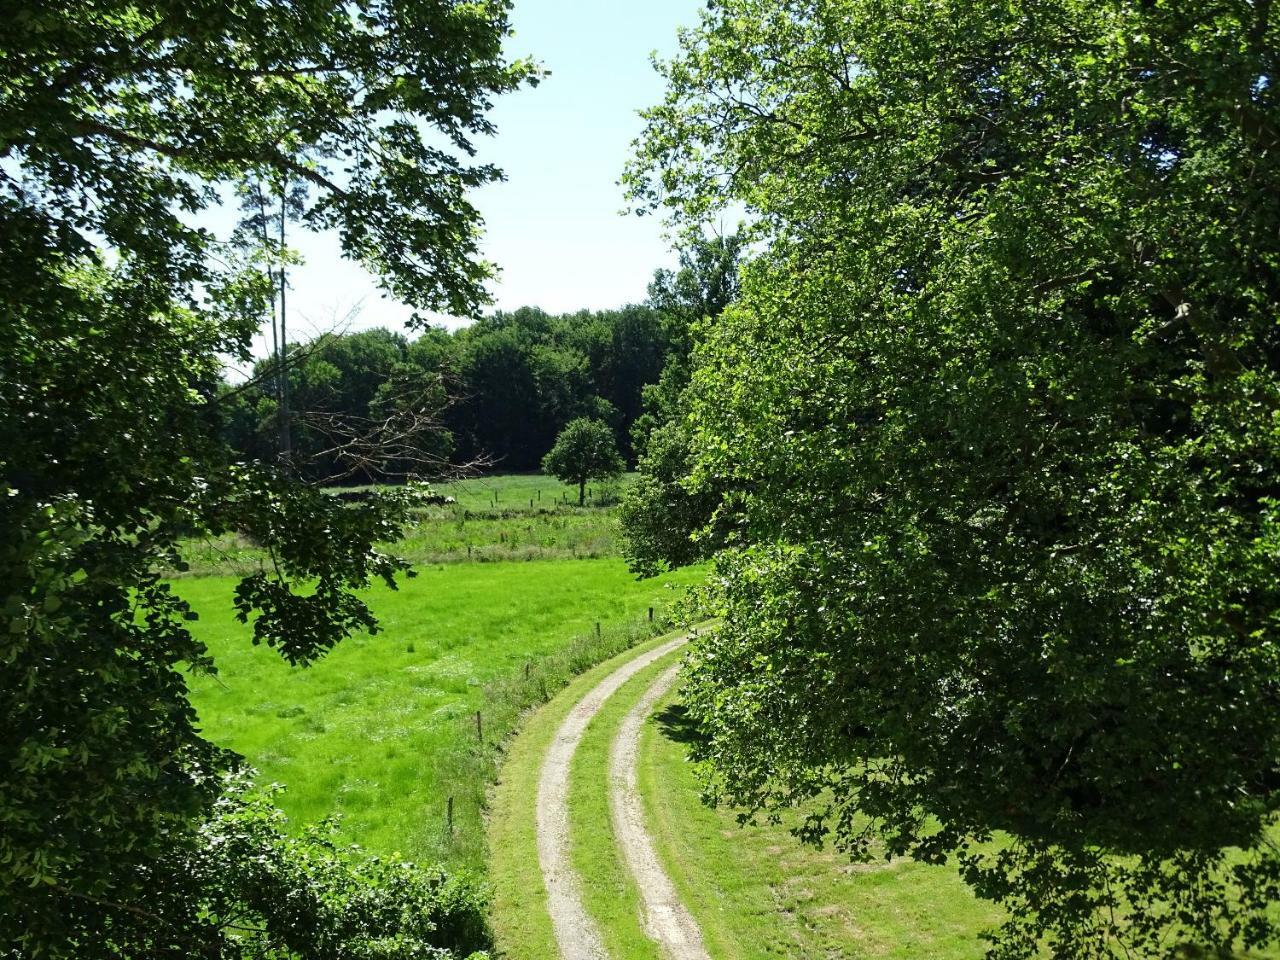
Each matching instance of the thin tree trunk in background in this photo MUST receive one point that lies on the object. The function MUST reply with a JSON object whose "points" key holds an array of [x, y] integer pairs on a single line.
{"points": [[276, 358], [582, 492], [286, 434]]}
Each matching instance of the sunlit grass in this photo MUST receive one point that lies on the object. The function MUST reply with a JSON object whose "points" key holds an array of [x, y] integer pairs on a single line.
{"points": [[382, 730], [509, 517]]}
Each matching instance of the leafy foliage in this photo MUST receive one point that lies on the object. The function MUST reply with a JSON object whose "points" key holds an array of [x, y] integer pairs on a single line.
{"points": [[998, 410], [263, 892], [585, 450], [497, 391], [366, 405], [118, 122], [698, 292], [664, 524], [524, 375]]}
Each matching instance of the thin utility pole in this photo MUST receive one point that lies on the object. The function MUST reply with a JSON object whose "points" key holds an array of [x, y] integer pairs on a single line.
{"points": [[277, 359]]}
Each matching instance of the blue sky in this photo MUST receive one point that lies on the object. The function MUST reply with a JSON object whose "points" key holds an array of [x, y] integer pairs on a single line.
{"points": [[554, 228]]}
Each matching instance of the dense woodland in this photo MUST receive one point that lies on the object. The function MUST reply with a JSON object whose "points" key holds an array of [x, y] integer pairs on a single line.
{"points": [[490, 395], [495, 393]]}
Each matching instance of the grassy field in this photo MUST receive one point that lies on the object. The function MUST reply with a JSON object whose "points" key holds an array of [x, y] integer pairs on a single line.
{"points": [[382, 731], [512, 517]]}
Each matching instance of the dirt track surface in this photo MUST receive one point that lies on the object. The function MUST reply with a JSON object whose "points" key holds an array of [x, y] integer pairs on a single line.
{"points": [[666, 920], [577, 935]]}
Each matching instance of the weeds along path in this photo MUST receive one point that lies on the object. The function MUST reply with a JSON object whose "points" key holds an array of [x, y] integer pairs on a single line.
{"points": [[577, 935], [666, 920]]}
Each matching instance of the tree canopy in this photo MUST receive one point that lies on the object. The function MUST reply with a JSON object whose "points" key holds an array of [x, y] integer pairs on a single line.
{"points": [[495, 393], [664, 522], [119, 123], [524, 375], [585, 450], [996, 416]]}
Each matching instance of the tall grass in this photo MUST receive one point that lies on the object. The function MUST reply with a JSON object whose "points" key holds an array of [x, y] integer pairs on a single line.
{"points": [[515, 517]]}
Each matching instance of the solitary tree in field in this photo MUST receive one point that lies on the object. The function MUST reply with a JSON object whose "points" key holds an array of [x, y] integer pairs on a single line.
{"points": [[585, 450]]}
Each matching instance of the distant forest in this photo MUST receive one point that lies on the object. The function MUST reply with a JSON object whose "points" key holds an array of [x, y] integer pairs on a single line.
{"points": [[378, 405]]}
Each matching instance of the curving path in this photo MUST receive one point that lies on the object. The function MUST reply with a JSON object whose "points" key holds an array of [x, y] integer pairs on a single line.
{"points": [[667, 922]]}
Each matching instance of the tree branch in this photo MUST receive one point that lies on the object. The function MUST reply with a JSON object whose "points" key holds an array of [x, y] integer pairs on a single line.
{"points": [[268, 156]]}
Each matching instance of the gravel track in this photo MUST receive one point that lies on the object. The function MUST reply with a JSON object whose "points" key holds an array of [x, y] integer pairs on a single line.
{"points": [[666, 920], [577, 934]]}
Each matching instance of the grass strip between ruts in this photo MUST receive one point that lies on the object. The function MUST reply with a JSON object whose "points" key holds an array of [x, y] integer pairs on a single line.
{"points": [[522, 926], [609, 890]]}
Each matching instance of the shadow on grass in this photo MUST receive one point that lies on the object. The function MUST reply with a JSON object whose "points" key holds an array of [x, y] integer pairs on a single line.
{"points": [[676, 725]]}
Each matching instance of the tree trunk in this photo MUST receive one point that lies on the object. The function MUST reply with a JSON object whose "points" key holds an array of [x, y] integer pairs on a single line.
{"points": [[286, 429], [582, 492]]}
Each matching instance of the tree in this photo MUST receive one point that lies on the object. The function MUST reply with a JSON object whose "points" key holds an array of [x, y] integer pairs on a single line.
{"points": [[525, 374], [664, 523], [996, 408], [265, 210], [585, 450], [119, 123]]}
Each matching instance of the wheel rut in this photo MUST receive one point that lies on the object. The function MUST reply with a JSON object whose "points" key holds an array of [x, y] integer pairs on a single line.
{"points": [[666, 921]]}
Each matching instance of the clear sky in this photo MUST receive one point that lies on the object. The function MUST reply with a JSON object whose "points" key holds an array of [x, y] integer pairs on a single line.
{"points": [[554, 228]]}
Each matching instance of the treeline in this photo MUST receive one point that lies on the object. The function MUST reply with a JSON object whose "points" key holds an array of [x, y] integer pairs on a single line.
{"points": [[379, 405], [376, 403]]}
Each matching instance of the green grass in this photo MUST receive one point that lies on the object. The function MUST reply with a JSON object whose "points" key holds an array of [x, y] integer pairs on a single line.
{"points": [[609, 891], [382, 730], [759, 894], [755, 891], [508, 517], [527, 491]]}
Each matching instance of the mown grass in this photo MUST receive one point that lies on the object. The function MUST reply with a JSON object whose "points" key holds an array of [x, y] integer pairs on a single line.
{"points": [[759, 894], [609, 890], [519, 517], [755, 892], [382, 730]]}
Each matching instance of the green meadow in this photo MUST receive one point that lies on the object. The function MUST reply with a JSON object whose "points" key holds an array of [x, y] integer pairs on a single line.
{"points": [[514, 517], [382, 732]]}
